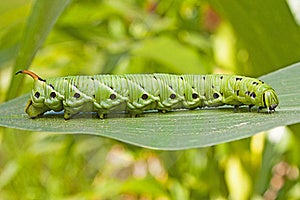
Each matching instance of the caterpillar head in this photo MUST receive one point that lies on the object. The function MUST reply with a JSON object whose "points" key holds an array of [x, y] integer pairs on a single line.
{"points": [[35, 106], [270, 99]]}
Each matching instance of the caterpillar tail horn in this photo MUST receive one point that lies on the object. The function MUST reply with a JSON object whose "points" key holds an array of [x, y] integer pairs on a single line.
{"points": [[30, 73]]}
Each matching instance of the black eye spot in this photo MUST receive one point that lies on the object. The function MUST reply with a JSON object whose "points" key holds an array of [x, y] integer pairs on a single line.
{"points": [[193, 87], [52, 94], [94, 96], [238, 79], [203, 77], [170, 86], [144, 96], [172, 96], [221, 94], [155, 77], [255, 83], [142, 86], [195, 95], [253, 95], [221, 77], [111, 87], [261, 82], [212, 86], [247, 93], [112, 96], [237, 92], [76, 95], [92, 78], [52, 86], [216, 95], [181, 77], [37, 95]]}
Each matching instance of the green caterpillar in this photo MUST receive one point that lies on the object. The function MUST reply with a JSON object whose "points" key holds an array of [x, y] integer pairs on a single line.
{"points": [[136, 93]]}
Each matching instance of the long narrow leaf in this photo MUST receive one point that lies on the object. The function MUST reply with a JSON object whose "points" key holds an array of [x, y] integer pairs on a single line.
{"points": [[41, 20]]}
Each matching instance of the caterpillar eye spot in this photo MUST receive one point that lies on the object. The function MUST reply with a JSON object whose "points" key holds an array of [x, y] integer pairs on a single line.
{"points": [[52, 94], [237, 92], [94, 96], [221, 77], [247, 93], [170, 86], [142, 86], [155, 77], [52, 86], [144, 96], [203, 78], [216, 95], [111, 87], [238, 79], [253, 95], [181, 77], [221, 93], [193, 87], [195, 95], [112, 96], [92, 78], [255, 83], [76, 95], [172, 96], [37, 95], [212, 86]]}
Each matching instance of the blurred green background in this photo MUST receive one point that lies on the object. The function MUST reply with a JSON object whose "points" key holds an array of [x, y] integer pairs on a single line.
{"points": [[59, 38]]}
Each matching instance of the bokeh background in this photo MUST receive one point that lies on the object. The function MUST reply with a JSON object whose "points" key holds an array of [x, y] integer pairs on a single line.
{"points": [[251, 38]]}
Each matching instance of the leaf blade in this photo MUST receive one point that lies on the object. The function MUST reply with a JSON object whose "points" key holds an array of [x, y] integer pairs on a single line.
{"points": [[175, 130], [40, 22]]}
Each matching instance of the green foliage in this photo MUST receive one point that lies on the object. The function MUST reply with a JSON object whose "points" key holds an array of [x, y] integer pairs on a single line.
{"points": [[117, 36], [266, 40]]}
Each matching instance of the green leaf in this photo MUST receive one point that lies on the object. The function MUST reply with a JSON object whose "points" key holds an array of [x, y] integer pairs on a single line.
{"points": [[174, 130], [41, 20], [271, 40]]}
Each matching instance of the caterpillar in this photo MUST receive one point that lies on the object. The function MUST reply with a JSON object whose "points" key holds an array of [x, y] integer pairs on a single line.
{"points": [[136, 93]]}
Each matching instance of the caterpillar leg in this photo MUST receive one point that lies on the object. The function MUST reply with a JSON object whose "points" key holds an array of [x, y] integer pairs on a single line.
{"points": [[259, 109], [134, 115], [162, 111], [67, 115], [249, 108], [236, 108], [102, 115]]}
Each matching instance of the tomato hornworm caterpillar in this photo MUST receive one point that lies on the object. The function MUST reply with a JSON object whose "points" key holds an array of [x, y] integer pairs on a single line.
{"points": [[135, 93]]}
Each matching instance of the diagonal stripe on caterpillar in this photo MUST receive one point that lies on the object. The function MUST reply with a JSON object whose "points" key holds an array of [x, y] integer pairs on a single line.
{"points": [[136, 93]]}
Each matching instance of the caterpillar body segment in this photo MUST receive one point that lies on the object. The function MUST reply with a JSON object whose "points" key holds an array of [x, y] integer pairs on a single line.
{"points": [[136, 93]]}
